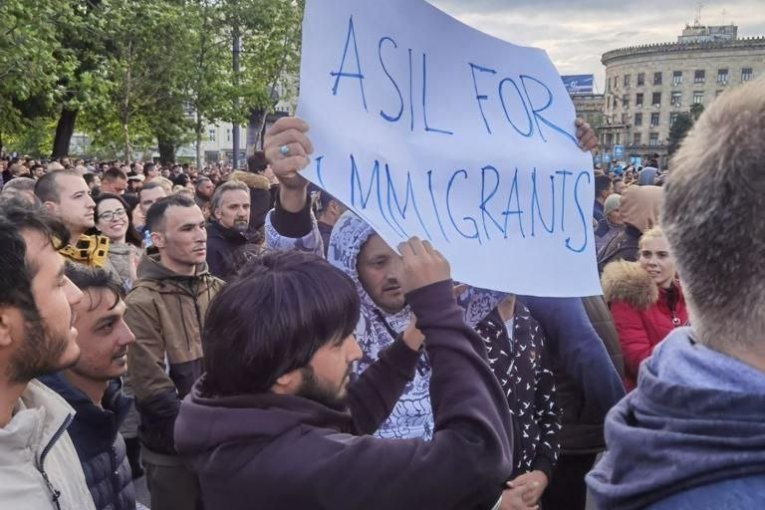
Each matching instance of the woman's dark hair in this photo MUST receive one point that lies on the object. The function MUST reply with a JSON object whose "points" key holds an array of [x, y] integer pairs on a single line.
{"points": [[132, 236], [272, 319]]}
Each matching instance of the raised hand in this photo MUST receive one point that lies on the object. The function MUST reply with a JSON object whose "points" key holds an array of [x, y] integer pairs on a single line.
{"points": [[287, 150], [423, 265]]}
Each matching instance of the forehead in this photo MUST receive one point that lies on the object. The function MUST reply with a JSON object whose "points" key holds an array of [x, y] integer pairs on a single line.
{"points": [[69, 184], [235, 196], [41, 255], [109, 204], [177, 216], [152, 193], [655, 244], [99, 302], [375, 247]]}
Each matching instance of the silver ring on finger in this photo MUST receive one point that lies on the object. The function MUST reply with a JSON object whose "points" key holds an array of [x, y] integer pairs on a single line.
{"points": [[284, 150]]}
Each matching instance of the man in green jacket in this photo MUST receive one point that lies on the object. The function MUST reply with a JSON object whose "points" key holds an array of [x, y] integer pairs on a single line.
{"points": [[165, 311]]}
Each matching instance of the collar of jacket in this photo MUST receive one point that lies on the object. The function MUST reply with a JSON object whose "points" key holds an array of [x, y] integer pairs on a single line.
{"points": [[39, 420], [150, 269], [107, 419], [231, 235]]}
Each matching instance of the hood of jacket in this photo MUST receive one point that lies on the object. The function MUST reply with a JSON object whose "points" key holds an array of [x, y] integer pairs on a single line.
{"points": [[694, 419], [376, 330], [257, 181], [206, 425], [640, 206], [628, 282], [151, 273]]}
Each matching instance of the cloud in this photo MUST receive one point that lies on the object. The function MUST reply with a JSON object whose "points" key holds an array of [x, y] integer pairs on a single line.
{"points": [[575, 33]]}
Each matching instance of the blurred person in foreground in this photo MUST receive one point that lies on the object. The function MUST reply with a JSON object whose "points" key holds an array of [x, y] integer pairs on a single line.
{"points": [[692, 435]]}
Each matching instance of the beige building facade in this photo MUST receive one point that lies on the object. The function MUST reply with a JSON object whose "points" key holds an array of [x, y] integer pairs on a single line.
{"points": [[647, 87]]}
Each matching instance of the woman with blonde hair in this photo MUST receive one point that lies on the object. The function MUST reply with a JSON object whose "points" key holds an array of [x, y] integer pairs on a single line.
{"points": [[646, 300]]}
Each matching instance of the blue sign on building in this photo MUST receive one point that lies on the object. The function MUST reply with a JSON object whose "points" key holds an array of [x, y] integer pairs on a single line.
{"points": [[618, 151], [606, 157], [578, 83]]}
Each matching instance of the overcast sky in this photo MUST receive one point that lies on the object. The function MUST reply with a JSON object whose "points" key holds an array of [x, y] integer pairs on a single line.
{"points": [[575, 33]]}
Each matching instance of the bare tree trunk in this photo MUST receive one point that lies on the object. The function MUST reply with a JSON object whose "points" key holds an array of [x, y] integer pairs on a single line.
{"points": [[198, 129], [64, 132]]}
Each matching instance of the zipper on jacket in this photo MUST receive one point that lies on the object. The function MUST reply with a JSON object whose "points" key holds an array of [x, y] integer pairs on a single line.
{"points": [[55, 493]]}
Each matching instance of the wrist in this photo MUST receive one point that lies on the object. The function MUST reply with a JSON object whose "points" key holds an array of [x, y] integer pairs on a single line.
{"points": [[293, 196]]}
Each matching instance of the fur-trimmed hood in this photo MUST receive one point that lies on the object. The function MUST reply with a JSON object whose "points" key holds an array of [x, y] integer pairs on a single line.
{"points": [[257, 181], [628, 282]]}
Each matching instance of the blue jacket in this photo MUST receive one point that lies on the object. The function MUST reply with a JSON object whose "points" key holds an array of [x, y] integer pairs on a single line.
{"points": [[691, 436], [101, 448]]}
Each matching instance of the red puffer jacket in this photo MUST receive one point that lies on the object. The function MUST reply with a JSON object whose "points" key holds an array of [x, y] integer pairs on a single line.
{"points": [[643, 313]]}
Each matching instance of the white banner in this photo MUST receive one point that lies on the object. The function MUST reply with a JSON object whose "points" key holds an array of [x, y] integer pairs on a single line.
{"points": [[425, 126]]}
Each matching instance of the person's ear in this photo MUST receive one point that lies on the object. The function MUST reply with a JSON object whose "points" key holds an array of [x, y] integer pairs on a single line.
{"points": [[288, 383], [158, 239], [53, 208], [11, 322]]}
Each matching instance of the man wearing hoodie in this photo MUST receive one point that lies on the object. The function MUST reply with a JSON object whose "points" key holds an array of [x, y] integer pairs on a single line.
{"points": [[374, 267], [692, 435], [165, 311], [267, 426]]}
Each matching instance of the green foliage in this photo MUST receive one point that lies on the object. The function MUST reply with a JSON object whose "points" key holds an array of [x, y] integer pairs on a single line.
{"points": [[683, 123], [141, 70]]}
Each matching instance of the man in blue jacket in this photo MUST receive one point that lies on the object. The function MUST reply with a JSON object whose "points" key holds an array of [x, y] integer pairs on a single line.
{"points": [[692, 435], [93, 389]]}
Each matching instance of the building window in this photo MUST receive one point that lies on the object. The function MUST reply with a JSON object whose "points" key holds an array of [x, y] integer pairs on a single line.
{"points": [[638, 119], [637, 138], [677, 78], [618, 139], [673, 118], [676, 99], [698, 97], [625, 118], [639, 99], [625, 101], [211, 135], [653, 139], [615, 102], [626, 80], [722, 76], [746, 74], [699, 76], [655, 119], [609, 139], [656, 99], [641, 79], [657, 78]]}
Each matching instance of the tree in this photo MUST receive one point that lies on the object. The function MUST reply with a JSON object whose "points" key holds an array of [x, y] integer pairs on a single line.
{"points": [[683, 123], [32, 60]]}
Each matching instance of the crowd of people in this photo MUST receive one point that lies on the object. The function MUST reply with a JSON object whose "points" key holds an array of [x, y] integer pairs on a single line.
{"points": [[244, 340]]}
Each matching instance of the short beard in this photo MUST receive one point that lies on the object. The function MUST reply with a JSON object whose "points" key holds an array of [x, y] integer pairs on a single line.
{"points": [[312, 389], [39, 353]]}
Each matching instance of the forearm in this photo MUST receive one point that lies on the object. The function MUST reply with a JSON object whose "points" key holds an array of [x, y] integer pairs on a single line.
{"points": [[374, 394]]}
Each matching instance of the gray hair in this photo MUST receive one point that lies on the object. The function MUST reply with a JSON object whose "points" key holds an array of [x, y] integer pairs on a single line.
{"points": [[217, 197], [712, 218]]}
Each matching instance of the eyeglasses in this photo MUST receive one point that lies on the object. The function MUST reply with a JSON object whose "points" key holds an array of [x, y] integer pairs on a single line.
{"points": [[112, 215]]}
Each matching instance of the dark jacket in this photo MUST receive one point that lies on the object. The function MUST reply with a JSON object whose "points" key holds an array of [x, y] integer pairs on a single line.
{"points": [[623, 246], [586, 381], [286, 452], [166, 313], [228, 250], [690, 434], [522, 366], [100, 447]]}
